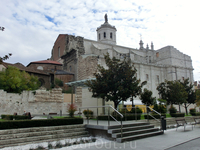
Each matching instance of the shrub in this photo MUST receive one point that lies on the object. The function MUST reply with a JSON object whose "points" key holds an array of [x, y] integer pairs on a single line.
{"points": [[7, 117], [71, 108], [195, 114], [157, 116], [177, 114], [20, 117], [88, 113], [160, 108], [192, 111], [172, 110], [39, 123]]}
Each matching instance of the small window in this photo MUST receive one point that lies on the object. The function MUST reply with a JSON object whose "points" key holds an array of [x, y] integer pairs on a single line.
{"points": [[70, 68], [104, 34], [147, 77], [157, 54], [40, 68], [111, 35], [58, 51], [157, 78], [149, 59], [99, 36]]}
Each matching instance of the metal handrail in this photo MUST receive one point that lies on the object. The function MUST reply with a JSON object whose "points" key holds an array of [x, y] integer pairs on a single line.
{"points": [[109, 106]]}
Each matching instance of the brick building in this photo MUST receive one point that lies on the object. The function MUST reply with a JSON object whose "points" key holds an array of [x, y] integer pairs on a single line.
{"points": [[53, 67], [45, 78]]}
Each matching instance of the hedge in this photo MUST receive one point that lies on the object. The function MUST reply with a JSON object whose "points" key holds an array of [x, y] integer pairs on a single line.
{"points": [[195, 114], [177, 115], [39, 123], [14, 117], [155, 116], [127, 117]]}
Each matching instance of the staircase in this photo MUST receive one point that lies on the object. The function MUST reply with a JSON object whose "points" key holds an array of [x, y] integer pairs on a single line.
{"points": [[133, 131], [15, 137]]}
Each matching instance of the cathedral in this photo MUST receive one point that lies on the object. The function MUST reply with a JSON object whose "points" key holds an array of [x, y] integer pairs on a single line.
{"points": [[81, 56]]}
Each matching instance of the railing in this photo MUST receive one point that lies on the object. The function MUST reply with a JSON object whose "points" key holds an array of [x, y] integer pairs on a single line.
{"points": [[145, 111], [109, 114]]}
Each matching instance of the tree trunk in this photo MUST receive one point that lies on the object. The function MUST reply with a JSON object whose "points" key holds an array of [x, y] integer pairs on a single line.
{"points": [[186, 109]]}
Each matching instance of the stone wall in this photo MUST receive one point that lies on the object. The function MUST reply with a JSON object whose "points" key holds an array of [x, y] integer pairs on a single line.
{"points": [[40, 102]]}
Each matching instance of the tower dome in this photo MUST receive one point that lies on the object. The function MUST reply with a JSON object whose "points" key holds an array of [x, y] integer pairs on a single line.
{"points": [[106, 33]]}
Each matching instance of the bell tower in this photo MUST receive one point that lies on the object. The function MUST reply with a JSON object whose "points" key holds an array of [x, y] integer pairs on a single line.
{"points": [[106, 33]]}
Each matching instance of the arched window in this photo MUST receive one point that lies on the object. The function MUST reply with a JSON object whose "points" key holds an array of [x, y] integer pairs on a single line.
{"points": [[70, 68], [99, 36], [42, 82], [111, 35], [104, 34], [40, 68]]}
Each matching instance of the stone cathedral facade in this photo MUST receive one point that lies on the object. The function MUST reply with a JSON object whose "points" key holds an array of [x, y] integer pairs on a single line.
{"points": [[81, 57]]}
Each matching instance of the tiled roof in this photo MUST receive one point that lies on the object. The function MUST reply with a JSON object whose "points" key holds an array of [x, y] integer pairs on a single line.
{"points": [[45, 62], [23, 68]]}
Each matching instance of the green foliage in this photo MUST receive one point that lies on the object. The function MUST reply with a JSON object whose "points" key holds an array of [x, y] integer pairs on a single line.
{"points": [[195, 114], [192, 111], [71, 108], [160, 108], [157, 116], [117, 83], [197, 97], [177, 114], [172, 110], [173, 92], [14, 117], [147, 98], [88, 113], [13, 80], [39, 123], [58, 82]]}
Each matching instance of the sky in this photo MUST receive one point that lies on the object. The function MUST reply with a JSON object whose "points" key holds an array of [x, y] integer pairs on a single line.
{"points": [[32, 26]]}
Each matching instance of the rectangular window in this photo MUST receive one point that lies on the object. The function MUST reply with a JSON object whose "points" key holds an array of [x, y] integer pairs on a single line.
{"points": [[147, 77], [149, 59], [104, 34], [111, 35], [58, 51], [157, 78], [157, 54]]}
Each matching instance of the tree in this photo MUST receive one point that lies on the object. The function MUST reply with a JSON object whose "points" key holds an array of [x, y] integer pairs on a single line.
{"points": [[191, 97], [197, 93], [4, 58], [173, 92], [147, 98], [14, 81], [117, 83]]}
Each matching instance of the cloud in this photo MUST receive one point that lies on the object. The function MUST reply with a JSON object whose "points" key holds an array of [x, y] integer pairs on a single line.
{"points": [[31, 27]]}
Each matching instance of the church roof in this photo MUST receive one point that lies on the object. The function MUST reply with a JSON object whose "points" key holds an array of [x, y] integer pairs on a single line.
{"points": [[45, 62], [106, 25]]}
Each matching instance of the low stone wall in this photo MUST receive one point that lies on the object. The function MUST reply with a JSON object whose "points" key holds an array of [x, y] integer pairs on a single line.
{"points": [[38, 102]]}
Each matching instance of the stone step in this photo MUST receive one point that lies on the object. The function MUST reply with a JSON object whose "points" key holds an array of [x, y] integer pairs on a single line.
{"points": [[137, 132], [125, 129], [31, 134], [128, 125], [39, 129], [39, 138], [136, 137]]}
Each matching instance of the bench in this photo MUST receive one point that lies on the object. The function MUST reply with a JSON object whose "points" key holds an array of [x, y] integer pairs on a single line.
{"points": [[197, 120], [182, 122]]}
